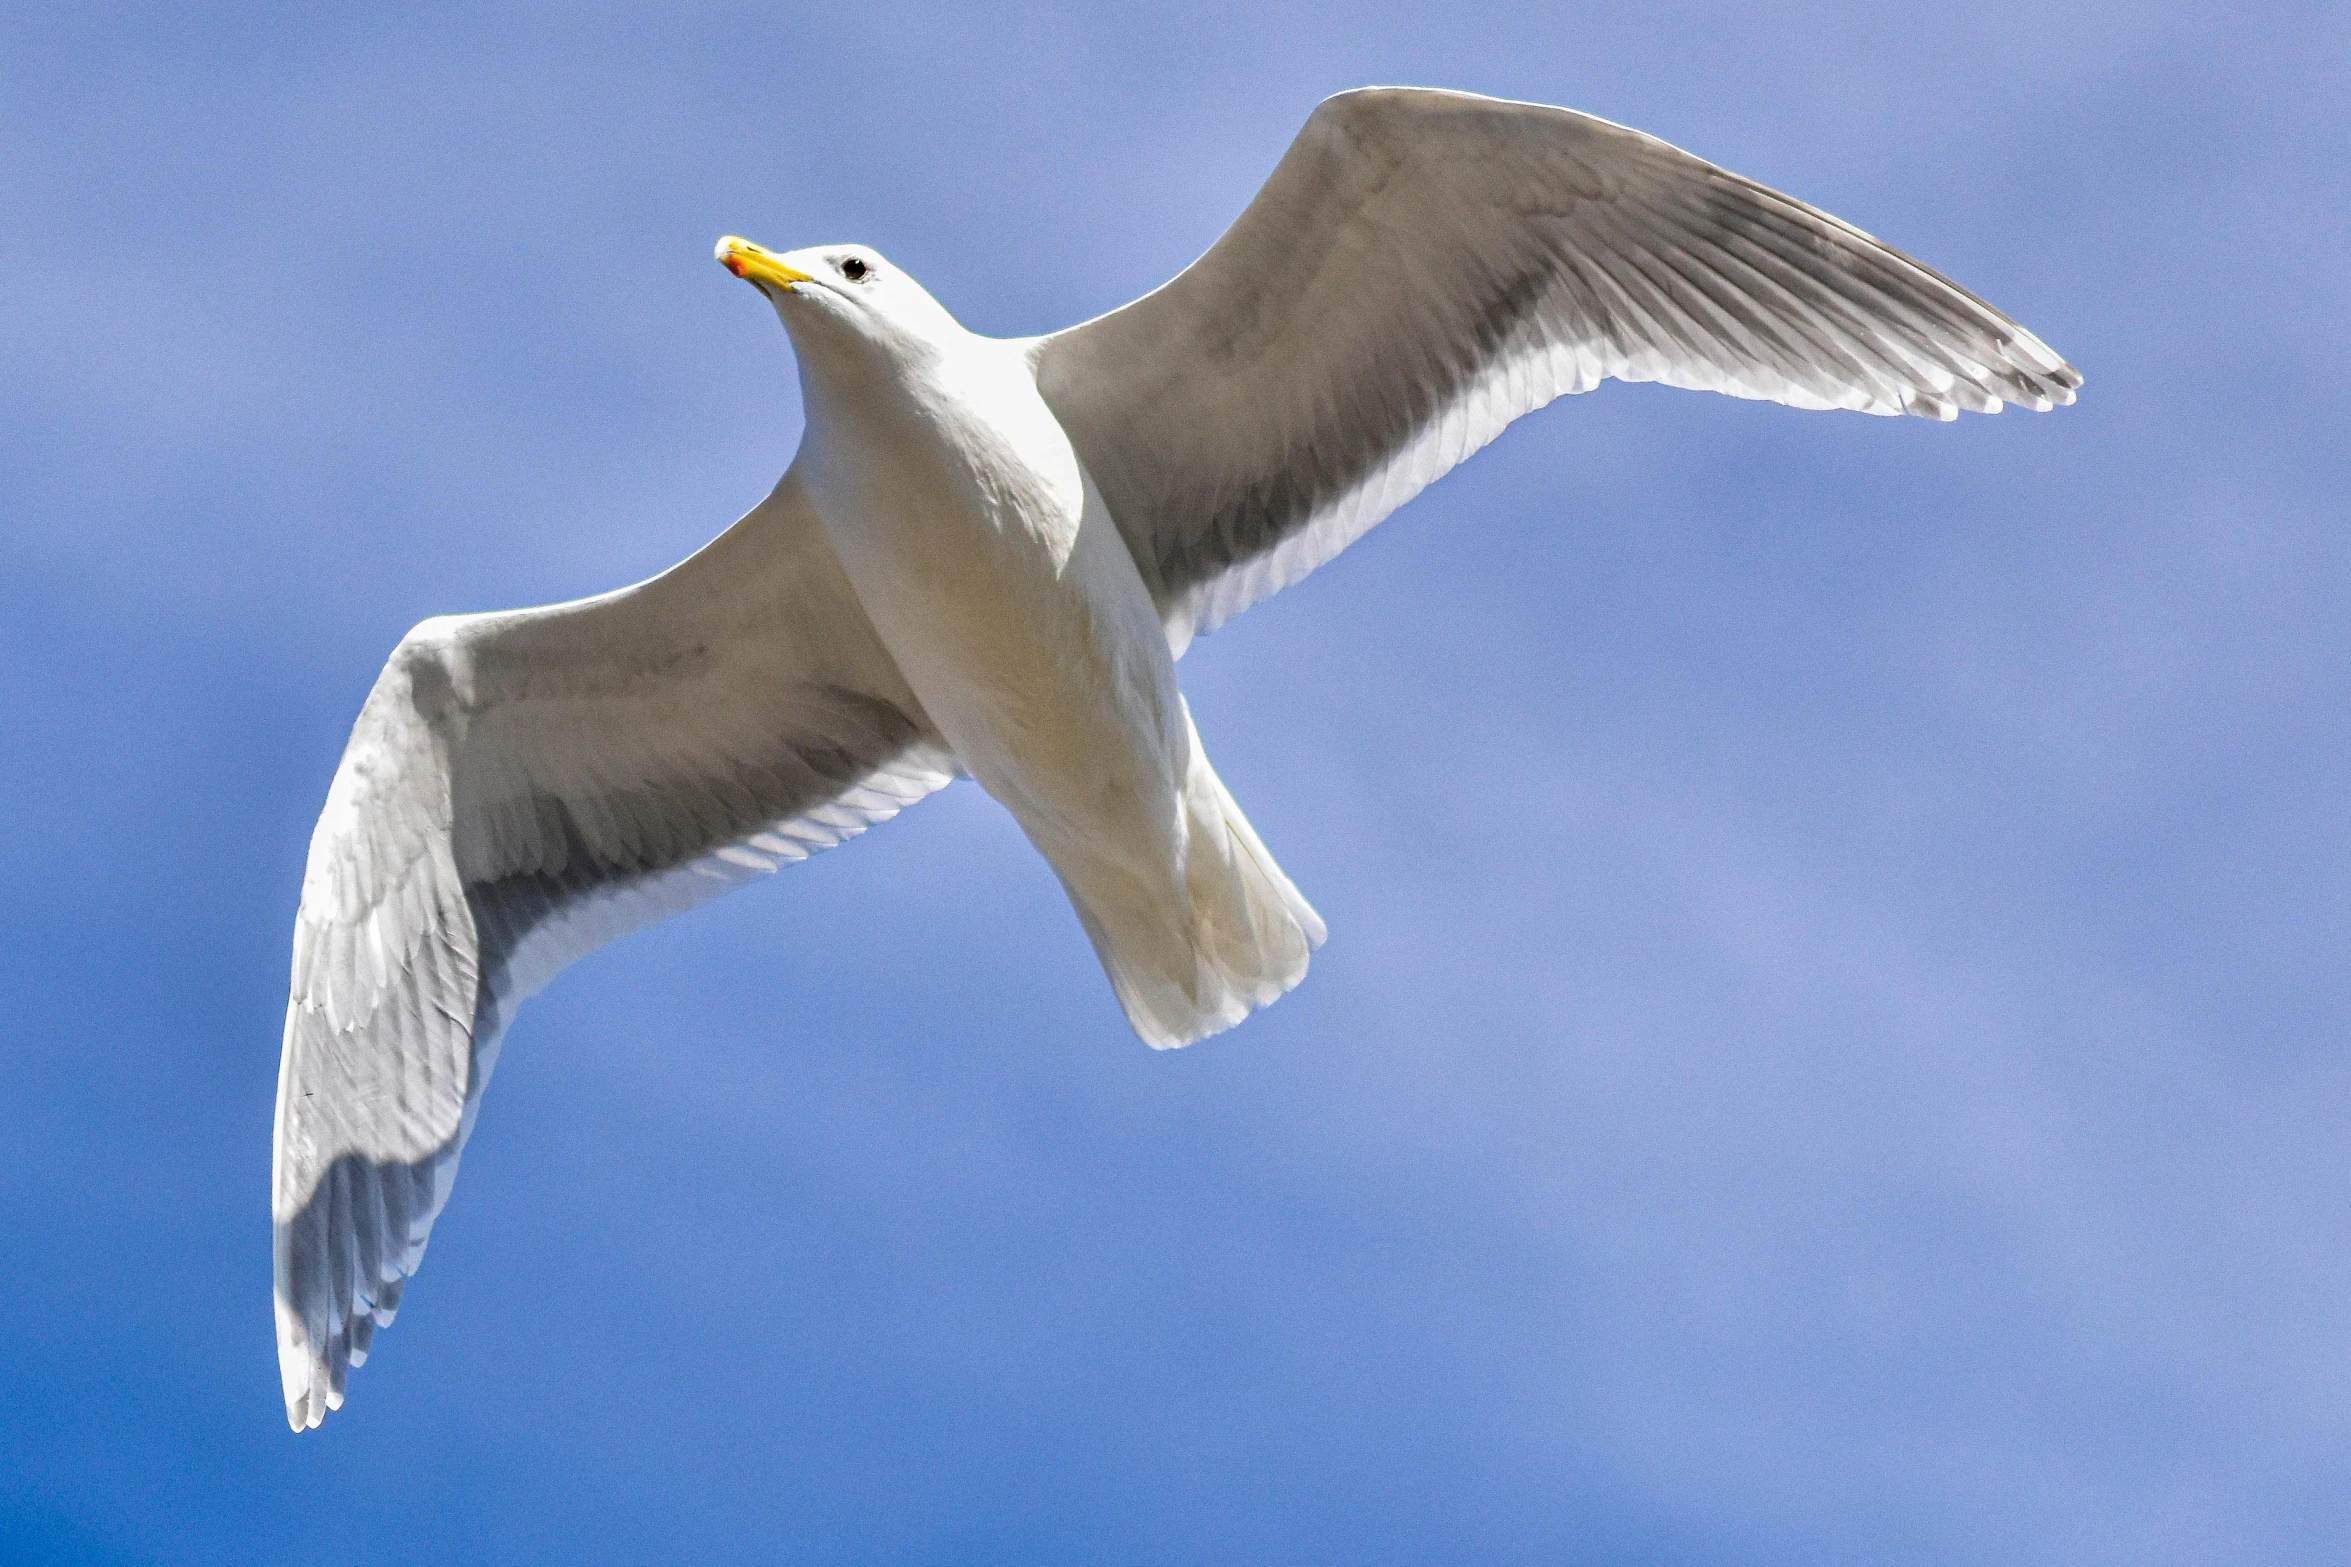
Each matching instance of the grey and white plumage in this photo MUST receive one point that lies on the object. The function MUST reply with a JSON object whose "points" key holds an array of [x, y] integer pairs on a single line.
{"points": [[986, 558]]}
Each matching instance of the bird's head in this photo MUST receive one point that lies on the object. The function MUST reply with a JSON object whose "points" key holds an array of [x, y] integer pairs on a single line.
{"points": [[843, 299]]}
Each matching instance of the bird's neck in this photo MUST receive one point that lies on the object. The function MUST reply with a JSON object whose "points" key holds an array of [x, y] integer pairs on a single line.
{"points": [[910, 387]]}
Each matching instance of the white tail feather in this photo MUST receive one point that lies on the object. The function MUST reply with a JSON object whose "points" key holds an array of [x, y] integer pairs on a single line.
{"points": [[1238, 939]]}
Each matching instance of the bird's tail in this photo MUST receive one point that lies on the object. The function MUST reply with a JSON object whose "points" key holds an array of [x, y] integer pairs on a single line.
{"points": [[1237, 939]]}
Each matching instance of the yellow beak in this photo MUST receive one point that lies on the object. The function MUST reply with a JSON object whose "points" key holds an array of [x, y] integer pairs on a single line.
{"points": [[757, 264]]}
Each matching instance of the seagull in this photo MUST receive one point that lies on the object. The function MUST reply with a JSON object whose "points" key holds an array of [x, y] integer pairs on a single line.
{"points": [[985, 560]]}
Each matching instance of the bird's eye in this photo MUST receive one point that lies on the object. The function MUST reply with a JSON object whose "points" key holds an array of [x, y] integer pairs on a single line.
{"points": [[853, 269]]}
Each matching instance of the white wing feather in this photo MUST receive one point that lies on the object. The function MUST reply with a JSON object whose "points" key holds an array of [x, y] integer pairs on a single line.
{"points": [[1425, 267], [520, 789]]}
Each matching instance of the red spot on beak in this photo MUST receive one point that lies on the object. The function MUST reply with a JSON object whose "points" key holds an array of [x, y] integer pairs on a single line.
{"points": [[734, 264]]}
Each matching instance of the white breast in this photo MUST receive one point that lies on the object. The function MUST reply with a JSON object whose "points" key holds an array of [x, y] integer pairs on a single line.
{"points": [[998, 581]]}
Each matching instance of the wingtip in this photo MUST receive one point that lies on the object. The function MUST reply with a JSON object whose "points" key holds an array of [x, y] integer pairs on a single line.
{"points": [[304, 1377], [2051, 390], [307, 1408]]}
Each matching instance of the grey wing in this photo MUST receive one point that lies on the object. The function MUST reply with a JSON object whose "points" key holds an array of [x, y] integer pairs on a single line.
{"points": [[1423, 268], [520, 789]]}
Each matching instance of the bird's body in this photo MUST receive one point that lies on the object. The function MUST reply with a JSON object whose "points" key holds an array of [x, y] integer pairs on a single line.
{"points": [[986, 558], [993, 573]]}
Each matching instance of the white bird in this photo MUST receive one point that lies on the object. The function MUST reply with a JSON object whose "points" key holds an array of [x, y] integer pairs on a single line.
{"points": [[986, 558]]}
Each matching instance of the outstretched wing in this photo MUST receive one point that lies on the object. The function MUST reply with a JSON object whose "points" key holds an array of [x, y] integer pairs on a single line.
{"points": [[520, 789], [1424, 267]]}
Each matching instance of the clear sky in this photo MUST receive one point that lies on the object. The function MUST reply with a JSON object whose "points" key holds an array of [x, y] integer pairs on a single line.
{"points": [[1833, 1041]]}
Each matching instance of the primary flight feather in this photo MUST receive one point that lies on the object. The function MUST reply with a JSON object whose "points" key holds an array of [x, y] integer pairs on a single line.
{"points": [[985, 559]]}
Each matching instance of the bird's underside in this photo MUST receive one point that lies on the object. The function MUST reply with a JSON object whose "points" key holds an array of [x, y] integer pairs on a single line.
{"points": [[1421, 269]]}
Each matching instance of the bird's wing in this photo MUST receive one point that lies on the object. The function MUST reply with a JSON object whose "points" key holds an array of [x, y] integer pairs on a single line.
{"points": [[520, 789], [1424, 267]]}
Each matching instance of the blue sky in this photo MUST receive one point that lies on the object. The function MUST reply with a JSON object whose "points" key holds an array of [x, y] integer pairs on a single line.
{"points": [[1832, 1046]]}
